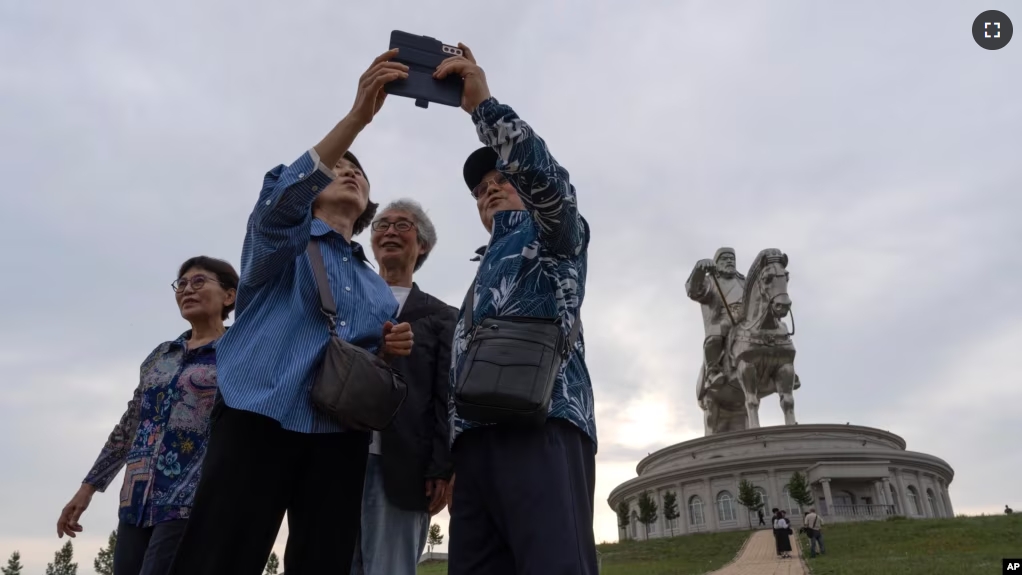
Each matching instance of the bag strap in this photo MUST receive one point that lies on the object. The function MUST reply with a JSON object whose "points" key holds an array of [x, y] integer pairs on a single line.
{"points": [[470, 303], [326, 299]]}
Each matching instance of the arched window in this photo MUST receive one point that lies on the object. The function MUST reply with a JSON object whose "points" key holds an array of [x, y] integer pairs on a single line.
{"points": [[932, 502], [725, 506], [695, 511], [913, 500]]}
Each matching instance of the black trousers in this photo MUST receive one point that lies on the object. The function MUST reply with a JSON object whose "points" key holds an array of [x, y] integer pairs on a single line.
{"points": [[253, 472], [147, 550], [523, 502]]}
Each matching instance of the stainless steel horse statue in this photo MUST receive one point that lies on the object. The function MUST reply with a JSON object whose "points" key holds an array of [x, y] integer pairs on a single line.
{"points": [[758, 354]]}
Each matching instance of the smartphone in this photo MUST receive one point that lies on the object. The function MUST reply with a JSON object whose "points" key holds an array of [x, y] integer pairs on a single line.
{"points": [[422, 55]]}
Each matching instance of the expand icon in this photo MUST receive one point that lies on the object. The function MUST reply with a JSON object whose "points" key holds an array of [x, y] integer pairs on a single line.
{"points": [[992, 30]]}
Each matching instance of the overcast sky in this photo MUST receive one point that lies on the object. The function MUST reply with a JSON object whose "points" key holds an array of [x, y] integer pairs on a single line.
{"points": [[873, 142]]}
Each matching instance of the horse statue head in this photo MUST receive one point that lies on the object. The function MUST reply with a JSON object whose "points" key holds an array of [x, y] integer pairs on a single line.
{"points": [[766, 302]]}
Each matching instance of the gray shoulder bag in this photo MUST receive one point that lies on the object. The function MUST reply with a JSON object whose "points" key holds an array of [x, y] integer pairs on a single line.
{"points": [[355, 388], [511, 365]]}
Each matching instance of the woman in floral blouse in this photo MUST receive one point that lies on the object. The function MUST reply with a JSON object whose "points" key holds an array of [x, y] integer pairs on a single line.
{"points": [[161, 438]]}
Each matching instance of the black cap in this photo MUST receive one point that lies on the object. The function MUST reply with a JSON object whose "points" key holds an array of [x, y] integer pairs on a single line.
{"points": [[351, 158], [481, 162]]}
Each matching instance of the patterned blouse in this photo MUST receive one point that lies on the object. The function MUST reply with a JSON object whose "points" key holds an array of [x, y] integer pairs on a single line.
{"points": [[161, 438]]}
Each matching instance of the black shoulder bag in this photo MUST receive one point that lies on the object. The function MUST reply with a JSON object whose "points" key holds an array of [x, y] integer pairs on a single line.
{"points": [[511, 365], [355, 388]]}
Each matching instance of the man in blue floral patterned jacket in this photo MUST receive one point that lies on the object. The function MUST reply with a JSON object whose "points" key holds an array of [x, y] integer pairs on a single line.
{"points": [[522, 499]]}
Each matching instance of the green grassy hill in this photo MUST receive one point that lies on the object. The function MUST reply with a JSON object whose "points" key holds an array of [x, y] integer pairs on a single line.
{"points": [[959, 546], [688, 555]]}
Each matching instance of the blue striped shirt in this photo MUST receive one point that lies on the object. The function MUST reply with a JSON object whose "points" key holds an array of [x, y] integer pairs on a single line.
{"points": [[267, 361]]}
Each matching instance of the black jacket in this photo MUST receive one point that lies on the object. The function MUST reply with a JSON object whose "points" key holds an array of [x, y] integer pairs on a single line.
{"points": [[416, 446]]}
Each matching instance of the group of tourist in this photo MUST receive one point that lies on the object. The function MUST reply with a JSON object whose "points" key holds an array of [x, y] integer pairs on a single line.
{"points": [[221, 437], [811, 525]]}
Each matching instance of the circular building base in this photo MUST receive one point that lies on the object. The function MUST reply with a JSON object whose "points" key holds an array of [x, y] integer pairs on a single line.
{"points": [[855, 474]]}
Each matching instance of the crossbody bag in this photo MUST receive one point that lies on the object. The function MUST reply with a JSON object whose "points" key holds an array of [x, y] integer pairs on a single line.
{"points": [[511, 365], [355, 388]]}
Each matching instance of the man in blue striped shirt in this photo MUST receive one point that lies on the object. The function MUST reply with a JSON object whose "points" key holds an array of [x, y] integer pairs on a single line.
{"points": [[270, 451]]}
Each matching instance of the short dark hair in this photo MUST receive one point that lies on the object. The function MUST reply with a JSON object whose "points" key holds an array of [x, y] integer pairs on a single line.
{"points": [[369, 213], [223, 271], [365, 219]]}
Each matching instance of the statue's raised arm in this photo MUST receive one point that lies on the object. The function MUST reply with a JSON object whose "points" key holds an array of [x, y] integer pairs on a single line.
{"points": [[699, 285]]}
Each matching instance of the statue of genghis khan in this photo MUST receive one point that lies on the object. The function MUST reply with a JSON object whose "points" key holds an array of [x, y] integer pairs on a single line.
{"points": [[702, 288]]}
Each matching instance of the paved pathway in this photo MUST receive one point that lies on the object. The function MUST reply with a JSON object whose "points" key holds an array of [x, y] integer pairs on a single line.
{"points": [[759, 558]]}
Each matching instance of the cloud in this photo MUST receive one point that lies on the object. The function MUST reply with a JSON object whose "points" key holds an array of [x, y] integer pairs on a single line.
{"points": [[883, 161]]}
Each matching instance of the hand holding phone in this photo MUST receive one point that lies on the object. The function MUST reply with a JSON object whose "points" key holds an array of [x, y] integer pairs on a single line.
{"points": [[422, 55], [475, 90], [372, 84]]}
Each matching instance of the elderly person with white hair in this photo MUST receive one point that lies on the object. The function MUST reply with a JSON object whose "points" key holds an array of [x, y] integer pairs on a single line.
{"points": [[409, 462]]}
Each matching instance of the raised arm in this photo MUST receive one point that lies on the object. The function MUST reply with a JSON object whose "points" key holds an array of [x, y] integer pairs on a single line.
{"points": [[523, 158], [698, 285], [279, 227], [542, 183]]}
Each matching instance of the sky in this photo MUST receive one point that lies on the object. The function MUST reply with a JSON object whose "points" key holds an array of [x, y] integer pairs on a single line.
{"points": [[875, 143]]}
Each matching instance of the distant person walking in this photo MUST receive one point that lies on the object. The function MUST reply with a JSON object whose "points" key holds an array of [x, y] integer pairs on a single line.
{"points": [[813, 523], [760, 513], [161, 437], [782, 535]]}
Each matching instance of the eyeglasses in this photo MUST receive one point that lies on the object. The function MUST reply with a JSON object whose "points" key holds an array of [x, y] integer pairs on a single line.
{"points": [[484, 185], [400, 225], [196, 282]]}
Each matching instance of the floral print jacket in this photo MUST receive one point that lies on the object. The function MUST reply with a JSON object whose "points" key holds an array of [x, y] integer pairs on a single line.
{"points": [[161, 438], [535, 263]]}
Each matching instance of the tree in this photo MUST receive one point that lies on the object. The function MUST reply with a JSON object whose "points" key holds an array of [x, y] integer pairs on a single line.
{"points": [[435, 537], [647, 510], [623, 519], [749, 497], [104, 562], [62, 564], [798, 490], [272, 564], [14, 565], [671, 507]]}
